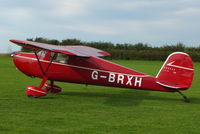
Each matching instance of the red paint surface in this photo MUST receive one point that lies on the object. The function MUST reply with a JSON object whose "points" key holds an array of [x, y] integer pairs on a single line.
{"points": [[95, 71], [83, 66]]}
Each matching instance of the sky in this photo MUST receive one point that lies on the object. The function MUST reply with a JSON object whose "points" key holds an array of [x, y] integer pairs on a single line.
{"points": [[156, 22]]}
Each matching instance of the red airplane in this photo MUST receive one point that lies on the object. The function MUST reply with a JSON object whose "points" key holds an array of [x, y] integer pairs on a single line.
{"points": [[81, 64]]}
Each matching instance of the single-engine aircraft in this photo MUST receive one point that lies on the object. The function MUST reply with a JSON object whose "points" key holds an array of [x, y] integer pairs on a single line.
{"points": [[81, 64]]}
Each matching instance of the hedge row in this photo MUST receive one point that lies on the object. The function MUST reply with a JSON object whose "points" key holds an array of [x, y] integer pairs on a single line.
{"points": [[137, 51]]}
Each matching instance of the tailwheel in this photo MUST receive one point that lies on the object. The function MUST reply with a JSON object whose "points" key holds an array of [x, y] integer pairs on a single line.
{"points": [[51, 88], [185, 98], [34, 92]]}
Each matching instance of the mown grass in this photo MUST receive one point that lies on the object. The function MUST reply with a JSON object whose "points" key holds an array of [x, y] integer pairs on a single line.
{"points": [[96, 109]]}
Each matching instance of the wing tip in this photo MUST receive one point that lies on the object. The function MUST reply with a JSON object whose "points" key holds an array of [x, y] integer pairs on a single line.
{"points": [[15, 41], [12, 40]]}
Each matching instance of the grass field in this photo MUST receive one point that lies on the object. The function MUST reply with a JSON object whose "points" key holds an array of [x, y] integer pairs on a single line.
{"points": [[96, 109]]}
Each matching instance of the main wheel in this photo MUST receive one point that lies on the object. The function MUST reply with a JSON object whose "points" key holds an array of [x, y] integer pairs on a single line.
{"points": [[34, 92], [51, 88]]}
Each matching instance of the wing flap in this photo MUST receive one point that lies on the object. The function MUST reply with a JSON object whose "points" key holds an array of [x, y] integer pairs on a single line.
{"points": [[82, 51]]}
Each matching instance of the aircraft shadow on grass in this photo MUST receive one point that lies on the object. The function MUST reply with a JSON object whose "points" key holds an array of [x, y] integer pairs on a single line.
{"points": [[194, 100], [127, 98]]}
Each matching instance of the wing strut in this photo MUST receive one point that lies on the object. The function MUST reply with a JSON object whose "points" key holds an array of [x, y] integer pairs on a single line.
{"points": [[44, 87], [45, 78], [39, 62], [52, 58]]}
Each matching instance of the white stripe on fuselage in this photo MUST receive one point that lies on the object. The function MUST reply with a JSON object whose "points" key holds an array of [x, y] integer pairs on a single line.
{"points": [[86, 68]]}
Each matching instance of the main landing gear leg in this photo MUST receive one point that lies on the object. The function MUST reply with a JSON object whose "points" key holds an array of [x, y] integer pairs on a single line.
{"points": [[44, 87], [186, 99]]}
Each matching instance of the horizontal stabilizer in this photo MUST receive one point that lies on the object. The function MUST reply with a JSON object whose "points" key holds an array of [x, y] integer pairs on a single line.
{"points": [[171, 85]]}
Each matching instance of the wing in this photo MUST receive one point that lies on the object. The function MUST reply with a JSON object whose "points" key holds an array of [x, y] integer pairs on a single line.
{"points": [[82, 51]]}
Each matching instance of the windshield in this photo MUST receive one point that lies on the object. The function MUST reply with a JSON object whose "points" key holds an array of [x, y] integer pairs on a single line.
{"points": [[62, 58]]}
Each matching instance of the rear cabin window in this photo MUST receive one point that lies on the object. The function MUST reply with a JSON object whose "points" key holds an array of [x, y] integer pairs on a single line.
{"points": [[62, 58]]}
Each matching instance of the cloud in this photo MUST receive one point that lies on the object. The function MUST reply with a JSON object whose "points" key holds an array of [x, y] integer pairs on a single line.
{"points": [[92, 29], [69, 8], [191, 11], [16, 15], [122, 21], [132, 5]]}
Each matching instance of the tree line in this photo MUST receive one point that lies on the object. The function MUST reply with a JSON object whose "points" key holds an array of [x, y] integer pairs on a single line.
{"points": [[139, 51]]}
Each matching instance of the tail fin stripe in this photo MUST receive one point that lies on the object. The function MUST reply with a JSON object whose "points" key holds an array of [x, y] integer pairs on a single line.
{"points": [[170, 64]]}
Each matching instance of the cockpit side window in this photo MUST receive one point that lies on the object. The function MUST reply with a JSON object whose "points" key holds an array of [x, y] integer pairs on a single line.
{"points": [[41, 54], [62, 58]]}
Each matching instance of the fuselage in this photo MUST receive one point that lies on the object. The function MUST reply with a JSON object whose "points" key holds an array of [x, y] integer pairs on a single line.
{"points": [[92, 70]]}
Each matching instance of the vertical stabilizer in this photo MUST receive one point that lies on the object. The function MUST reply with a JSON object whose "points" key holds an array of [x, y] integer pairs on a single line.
{"points": [[177, 71]]}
